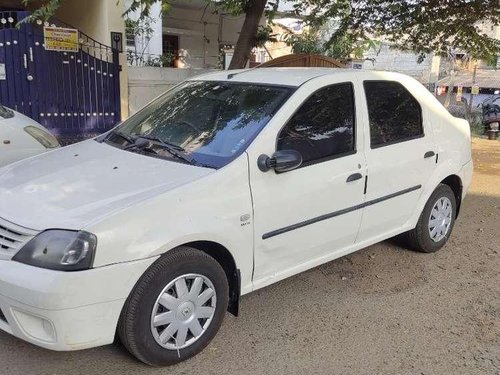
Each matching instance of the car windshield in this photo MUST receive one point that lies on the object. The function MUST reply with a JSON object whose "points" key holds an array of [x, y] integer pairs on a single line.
{"points": [[203, 122], [5, 112]]}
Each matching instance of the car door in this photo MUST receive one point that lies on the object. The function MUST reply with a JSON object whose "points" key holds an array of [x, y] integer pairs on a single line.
{"points": [[303, 216], [400, 156]]}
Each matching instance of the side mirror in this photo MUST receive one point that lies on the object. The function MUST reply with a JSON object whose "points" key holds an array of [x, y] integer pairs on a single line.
{"points": [[281, 161]]}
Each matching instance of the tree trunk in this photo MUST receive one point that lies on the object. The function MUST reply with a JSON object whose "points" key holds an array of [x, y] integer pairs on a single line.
{"points": [[248, 34]]}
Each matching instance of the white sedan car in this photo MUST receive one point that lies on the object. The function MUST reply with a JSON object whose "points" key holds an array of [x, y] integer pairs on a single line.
{"points": [[21, 137], [225, 184]]}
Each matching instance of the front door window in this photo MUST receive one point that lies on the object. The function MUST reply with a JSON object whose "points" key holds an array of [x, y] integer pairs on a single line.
{"points": [[323, 127]]}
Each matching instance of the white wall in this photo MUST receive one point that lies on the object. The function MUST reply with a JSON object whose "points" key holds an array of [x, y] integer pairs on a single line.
{"points": [[155, 43], [146, 83], [153, 46], [405, 62], [96, 18]]}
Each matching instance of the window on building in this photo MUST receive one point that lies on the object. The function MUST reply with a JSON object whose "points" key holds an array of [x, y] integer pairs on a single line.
{"points": [[323, 126], [130, 27], [395, 115], [170, 49]]}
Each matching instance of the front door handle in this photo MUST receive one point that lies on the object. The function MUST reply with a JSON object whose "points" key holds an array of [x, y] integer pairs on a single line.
{"points": [[429, 154], [354, 177]]}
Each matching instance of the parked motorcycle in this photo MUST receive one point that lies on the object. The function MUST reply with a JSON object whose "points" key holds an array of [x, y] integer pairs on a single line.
{"points": [[491, 115]]}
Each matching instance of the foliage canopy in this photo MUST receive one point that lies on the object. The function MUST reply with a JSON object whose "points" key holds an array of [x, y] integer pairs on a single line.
{"points": [[422, 26]]}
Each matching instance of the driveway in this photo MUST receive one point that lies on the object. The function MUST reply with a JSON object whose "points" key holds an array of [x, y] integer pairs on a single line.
{"points": [[382, 310]]}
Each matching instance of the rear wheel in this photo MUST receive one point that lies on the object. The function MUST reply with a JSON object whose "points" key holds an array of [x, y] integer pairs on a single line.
{"points": [[175, 309], [436, 221]]}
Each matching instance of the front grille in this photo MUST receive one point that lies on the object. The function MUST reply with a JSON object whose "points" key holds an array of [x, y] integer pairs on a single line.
{"points": [[13, 237]]}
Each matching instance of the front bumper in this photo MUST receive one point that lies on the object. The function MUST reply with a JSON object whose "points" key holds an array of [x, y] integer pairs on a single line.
{"points": [[65, 310]]}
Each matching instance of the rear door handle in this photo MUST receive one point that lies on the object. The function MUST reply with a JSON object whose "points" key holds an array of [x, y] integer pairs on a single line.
{"points": [[429, 154], [354, 177]]}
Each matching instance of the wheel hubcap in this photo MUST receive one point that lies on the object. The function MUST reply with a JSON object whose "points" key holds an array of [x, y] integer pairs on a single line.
{"points": [[183, 311], [440, 219]]}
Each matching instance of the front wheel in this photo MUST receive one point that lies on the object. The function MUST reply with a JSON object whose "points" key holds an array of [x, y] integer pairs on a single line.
{"points": [[175, 309], [436, 221]]}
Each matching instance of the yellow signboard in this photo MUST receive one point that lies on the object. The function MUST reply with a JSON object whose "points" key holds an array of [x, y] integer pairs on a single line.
{"points": [[475, 90], [60, 39]]}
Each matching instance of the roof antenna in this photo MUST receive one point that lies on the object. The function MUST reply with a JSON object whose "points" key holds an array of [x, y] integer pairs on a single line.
{"points": [[231, 75]]}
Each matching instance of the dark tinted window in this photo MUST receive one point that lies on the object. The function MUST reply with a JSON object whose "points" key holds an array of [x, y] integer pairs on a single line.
{"points": [[395, 115], [323, 127]]}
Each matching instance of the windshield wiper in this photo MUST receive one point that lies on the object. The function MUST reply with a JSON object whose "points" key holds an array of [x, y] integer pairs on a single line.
{"points": [[121, 135], [173, 149], [166, 144]]}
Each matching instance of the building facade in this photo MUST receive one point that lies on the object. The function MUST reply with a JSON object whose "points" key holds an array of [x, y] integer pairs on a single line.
{"points": [[193, 34]]}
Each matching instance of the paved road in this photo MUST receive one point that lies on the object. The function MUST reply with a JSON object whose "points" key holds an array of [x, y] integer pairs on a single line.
{"points": [[382, 310]]}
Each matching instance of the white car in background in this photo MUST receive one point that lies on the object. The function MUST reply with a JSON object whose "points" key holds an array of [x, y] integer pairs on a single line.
{"points": [[22, 137], [227, 183]]}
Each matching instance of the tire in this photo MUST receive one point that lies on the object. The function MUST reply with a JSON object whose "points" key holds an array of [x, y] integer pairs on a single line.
{"points": [[136, 328], [420, 239]]}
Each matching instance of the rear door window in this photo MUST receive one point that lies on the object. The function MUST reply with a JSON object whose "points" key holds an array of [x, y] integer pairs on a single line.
{"points": [[395, 115]]}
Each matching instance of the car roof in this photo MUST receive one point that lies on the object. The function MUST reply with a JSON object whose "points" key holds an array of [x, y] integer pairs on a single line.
{"points": [[292, 76]]}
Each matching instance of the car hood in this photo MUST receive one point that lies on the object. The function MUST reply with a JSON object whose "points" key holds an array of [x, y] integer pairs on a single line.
{"points": [[73, 186], [18, 120]]}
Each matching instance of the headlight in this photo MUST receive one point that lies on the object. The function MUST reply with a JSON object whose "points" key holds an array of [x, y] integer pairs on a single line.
{"points": [[61, 250], [46, 139]]}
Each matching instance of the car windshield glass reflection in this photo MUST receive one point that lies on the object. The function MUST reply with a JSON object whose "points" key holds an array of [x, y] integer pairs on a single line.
{"points": [[5, 112], [211, 122]]}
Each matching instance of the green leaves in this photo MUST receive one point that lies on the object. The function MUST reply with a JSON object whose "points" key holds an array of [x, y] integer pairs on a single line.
{"points": [[47, 10], [144, 7], [307, 42], [429, 25], [331, 39], [264, 34]]}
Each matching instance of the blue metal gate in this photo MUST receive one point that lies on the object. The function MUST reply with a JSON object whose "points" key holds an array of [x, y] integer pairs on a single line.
{"points": [[73, 94]]}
